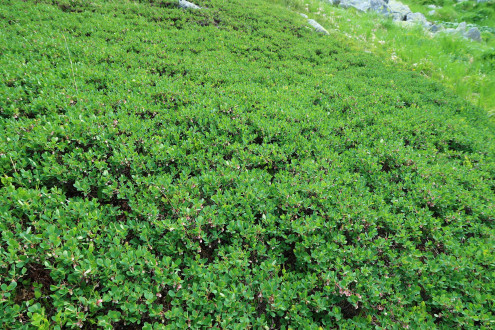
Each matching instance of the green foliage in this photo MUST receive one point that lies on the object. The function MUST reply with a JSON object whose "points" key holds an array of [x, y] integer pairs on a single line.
{"points": [[482, 13], [452, 60], [229, 167]]}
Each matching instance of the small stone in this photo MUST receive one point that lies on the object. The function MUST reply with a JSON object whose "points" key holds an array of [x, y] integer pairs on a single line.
{"points": [[188, 5], [317, 26]]}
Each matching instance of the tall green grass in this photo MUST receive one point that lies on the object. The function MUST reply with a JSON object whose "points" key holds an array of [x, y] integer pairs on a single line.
{"points": [[466, 67], [482, 14]]}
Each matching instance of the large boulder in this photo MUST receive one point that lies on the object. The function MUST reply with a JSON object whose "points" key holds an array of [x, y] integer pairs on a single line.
{"points": [[361, 5], [379, 6], [398, 10], [418, 18]]}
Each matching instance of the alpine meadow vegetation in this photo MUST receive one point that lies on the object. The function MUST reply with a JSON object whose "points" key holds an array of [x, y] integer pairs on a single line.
{"points": [[229, 167], [464, 66]]}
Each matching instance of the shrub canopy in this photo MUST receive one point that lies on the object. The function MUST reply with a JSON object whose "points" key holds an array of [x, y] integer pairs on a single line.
{"points": [[229, 167]]}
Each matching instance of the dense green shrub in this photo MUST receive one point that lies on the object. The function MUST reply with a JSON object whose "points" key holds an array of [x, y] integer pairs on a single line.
{"points": [[231, 168]]}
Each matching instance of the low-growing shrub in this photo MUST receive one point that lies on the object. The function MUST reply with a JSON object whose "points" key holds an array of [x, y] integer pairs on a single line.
{"points": [[231, 168]]}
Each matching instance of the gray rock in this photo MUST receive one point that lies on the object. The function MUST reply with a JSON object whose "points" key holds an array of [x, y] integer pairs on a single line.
{"points": [[403, 16], [318, 28], [461, 27], [480, 1], [334, 2], [379, 6], [303, 15], [436, 28], [188, 5], [361, 5], [398, 10], [416, 17], [396, 17], [432, 12], [473, 34]]}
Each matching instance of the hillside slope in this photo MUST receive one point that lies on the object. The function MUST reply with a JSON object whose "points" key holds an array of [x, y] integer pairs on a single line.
{"points": [[229, 167]]}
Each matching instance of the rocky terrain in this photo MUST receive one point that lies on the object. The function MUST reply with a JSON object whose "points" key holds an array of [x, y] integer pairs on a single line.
{"points": [[402, 14]]}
